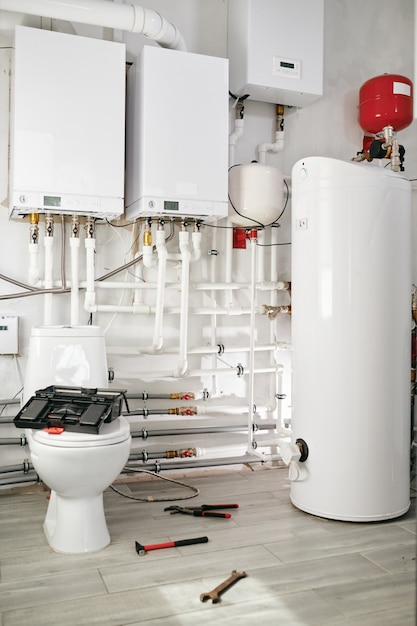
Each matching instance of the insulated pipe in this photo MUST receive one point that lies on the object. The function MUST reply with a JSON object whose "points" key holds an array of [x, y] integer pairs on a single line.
{"points": [[16, 480], [128, 17], [214, 350], [24, 467], [260, 258], [239, 371], [215, 286], [234, 138], [253, 241], [228, 300], [208, 430], [33, 276], [192, 463], [75, 248], [185, 283], [11, 442], [213, 318], [278, 146], [90, 246], [160, 291], [48, 242]]}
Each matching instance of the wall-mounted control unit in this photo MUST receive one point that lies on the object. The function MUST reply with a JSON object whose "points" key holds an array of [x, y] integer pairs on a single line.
{"points": [[67, 125], [275, 50], [9, 334], [177, 135]]}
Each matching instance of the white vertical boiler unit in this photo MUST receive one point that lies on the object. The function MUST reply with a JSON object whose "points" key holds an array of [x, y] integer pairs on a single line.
{"points": [[351, 321], [67, 125], [177, 135]]}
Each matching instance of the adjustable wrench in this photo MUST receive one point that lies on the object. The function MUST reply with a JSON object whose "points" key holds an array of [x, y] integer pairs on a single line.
{"points": [[215, 594]]}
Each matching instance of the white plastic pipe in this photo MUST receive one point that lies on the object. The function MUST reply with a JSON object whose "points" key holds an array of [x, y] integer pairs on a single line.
{"points": [[160, 291], [228, 299], [185, 285], [123, 350], [128, 17], [234, 138], [253, 243], [75, 248], [196, 237], [90, 294], [158, 374], [220, 286], [33, 274], [278, 146], [146, 309], [48, 245]]}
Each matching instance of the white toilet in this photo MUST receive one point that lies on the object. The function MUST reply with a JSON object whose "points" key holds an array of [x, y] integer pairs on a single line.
{"points": [[76, 467]]}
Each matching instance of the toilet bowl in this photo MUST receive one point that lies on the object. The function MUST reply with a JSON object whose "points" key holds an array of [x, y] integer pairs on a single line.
{"points": [[77, 467]]}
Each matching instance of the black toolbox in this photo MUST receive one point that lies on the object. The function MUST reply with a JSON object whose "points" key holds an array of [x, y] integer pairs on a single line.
{"points": [[74, 409]]}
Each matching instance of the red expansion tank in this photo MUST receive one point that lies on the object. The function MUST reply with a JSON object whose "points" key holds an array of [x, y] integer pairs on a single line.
{"points": [[386, 100]]}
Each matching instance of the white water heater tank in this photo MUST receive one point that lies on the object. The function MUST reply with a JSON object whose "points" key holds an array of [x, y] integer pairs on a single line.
{"points": [[351, 312]]}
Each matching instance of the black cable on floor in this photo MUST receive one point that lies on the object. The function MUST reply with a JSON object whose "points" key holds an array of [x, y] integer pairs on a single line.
{"points": [[128, 470]]}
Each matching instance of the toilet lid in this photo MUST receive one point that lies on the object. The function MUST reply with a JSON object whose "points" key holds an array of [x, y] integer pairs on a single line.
{"points": [[114, 432]]}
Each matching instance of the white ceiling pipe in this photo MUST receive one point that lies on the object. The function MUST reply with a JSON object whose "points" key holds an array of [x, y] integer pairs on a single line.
{"points": [[129, 17]]}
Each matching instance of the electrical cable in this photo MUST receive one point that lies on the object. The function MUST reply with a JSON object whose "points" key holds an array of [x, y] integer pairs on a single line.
{"points": [[128, 470]]}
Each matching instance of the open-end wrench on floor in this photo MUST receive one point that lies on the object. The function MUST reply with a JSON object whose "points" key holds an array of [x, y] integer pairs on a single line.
{"points": [[215, 594]]}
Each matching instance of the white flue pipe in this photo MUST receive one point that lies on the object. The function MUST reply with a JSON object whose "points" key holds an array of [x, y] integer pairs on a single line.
{"points": [[75, 248], [128, 17]]}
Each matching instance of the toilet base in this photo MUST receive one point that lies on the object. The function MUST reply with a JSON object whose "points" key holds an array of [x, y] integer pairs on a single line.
{"points": [[76, 525]]}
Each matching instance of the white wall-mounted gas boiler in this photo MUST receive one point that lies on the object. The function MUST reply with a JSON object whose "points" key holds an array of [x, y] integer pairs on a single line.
{"points": [[351, 335], [67, 125], [177, 135], [275, 50]]}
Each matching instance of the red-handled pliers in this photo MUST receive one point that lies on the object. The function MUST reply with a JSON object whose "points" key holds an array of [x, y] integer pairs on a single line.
{"points": [[204, 510]]}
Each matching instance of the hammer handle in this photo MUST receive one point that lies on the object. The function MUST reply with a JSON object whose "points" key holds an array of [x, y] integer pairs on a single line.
{"points": [[175, 544]]}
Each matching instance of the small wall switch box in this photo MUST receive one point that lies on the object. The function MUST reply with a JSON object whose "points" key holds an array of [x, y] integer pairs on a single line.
{"points": [[9, 334]]}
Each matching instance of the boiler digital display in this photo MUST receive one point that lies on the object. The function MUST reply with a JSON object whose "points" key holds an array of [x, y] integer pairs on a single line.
{"points": [[286, 64], [52, 201], [171, 205]]}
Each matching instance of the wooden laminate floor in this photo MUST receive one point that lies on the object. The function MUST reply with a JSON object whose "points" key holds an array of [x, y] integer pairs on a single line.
{"points": [[301, 570]]}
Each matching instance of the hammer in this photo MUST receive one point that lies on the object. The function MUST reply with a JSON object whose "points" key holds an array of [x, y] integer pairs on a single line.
{"points": [[141, 550]]}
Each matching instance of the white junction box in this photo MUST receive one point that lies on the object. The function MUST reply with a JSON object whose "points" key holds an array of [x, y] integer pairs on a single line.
{"points": [[275, 50], [67, 124], [9, 334], [177, 135]]}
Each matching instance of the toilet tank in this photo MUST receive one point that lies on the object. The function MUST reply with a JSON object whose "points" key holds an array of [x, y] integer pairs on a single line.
{"points": [[65, 355]]}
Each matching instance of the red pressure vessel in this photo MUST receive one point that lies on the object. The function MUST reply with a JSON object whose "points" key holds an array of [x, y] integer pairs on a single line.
{"points": [[386, 100]]}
